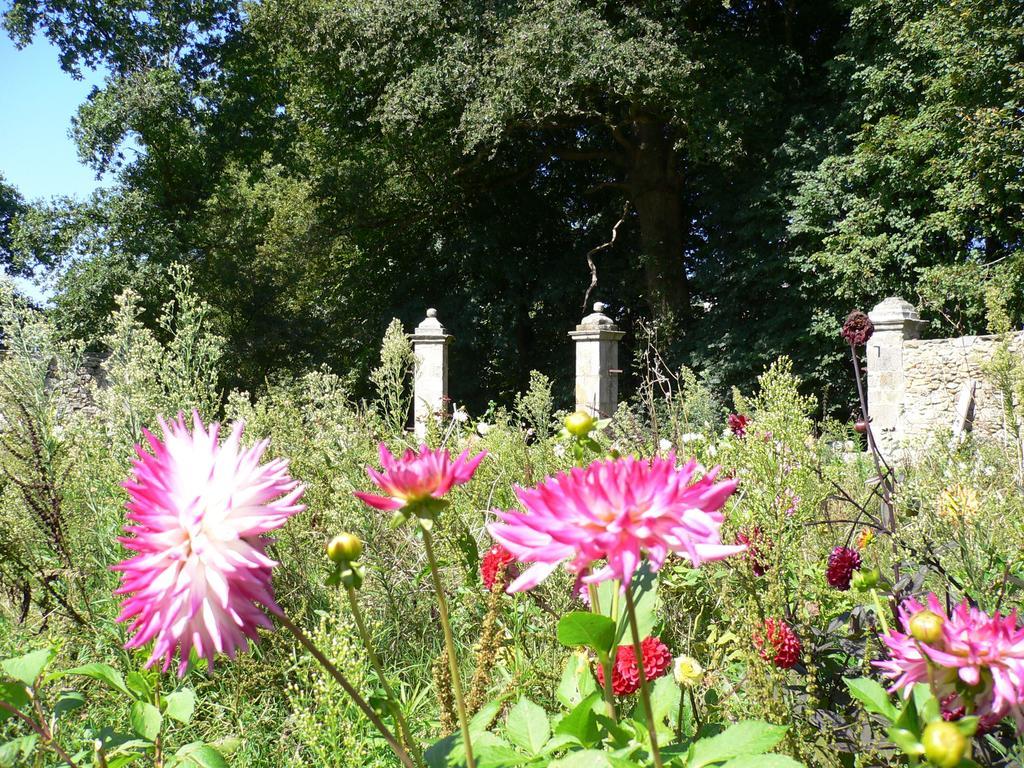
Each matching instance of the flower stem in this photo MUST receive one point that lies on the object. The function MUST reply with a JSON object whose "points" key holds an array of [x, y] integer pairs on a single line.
{"points": [[645, 696], [449, 641], [396, 709], [879, 611], [608, 661], [334, 672]]}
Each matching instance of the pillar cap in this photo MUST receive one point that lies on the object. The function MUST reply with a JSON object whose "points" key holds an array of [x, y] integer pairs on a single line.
{"points": [[430, 329], [597, 325], [897, 314]]}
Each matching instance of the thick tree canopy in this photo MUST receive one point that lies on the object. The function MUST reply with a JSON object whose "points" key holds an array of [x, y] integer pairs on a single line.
{"points": [[324, 165]]}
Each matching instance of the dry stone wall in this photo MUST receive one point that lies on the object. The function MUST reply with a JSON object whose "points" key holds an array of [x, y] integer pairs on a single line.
{"points": [[918, 388]]}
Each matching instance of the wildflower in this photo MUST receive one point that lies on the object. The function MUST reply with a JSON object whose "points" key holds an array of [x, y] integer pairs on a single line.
{"points": [[664, 445], [495, 562], [778, 644], [864, 538], [758, 546], [198, 510], [973, 661], [738, 424], [841, 564], [788, 502], [625, 671], [857, 328], [616, 510], [691, 437], [460, 415], [959, 503], [417, 477], [688, 672]]}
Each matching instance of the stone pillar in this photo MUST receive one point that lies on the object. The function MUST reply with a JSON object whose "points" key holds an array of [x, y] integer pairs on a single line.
{"points": [[895, 321], [430, 378], [597, 363]]}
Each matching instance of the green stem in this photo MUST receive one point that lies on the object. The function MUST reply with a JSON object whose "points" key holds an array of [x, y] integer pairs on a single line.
{"points": [[607, 661], [449, 641], [396, 709], [879, 611], [645, 697], [334, 672]]}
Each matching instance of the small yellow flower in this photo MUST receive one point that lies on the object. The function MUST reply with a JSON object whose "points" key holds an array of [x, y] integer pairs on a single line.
{"points": [[959, 503], [864, 538], [688, 671]]}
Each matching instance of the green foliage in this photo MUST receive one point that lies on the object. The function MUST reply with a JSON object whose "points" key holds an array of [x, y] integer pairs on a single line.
{"points": [[391, 377]]}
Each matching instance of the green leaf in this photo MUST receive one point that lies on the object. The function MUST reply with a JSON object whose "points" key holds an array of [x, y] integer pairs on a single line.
{"points": [[581, 722], [138, 684], [588, 629], [68, 701], [28, 667], [587, 758], [14, 694], [486, 715], [927, 705], [180, 705], [873, 696], [145, 719], [201, 756], [17, 751], [494, 755], [527, 726], [763, 761], [436, 755], [102, 672], [749, 737], [906, 741]]}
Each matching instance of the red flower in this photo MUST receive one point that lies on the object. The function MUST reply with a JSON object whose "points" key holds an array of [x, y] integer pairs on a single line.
{"points": [[738, 424], [758, 547], [626, 674], [778, 644], [857, 328], [495, 562], [841, 564]]}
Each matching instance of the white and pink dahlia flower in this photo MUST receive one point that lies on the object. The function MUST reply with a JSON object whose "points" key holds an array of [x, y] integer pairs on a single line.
{"points": [[616, 511], [976, 663], [417, 476], [198, 510]]}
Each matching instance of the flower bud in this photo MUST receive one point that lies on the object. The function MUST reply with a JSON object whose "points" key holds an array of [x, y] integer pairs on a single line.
{"points": [[944, 745], [579, 423], [866, 578], [688, 671], [345, 547], [926, 627]]}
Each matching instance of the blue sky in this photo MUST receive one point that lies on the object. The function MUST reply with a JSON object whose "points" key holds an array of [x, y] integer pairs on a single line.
{"points": [[37, 101]]}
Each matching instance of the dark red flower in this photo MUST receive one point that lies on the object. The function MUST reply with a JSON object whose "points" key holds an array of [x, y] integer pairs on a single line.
{"points": [[778, 644], [496, 561], [841, 564], [738, 424], [625, 672], [857, 328], [758, 547]]}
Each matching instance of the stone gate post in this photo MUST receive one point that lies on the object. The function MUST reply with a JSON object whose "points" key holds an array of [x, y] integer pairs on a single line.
{"points": [[430, 378], [895, 321], [597, 363]]}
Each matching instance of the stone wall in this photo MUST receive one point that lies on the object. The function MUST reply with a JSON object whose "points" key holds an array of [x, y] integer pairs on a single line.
{"points": [[920, 387]]}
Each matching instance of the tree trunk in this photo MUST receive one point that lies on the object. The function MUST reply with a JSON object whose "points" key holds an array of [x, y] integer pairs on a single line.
{"points": [[654, 188]]}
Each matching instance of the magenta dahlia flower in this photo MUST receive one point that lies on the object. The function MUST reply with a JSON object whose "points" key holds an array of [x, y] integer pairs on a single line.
{"points": [[417, 476], [198, 511], [618, 511], [976, 660]]}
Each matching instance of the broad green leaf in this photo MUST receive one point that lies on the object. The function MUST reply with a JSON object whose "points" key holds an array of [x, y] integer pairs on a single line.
{"points": [[180, 705], [145, 719], [495, 755], [645, 599], [17, 751], [749, 737], [200, 756], [581, 722], [577, 681], [138, 684], [437, 754], [873, 696], [527, 726], [68, 701], [12, 693], [763, 761], [665, 695], [485, 716], [28, 667], [906, 741], [587, 758], [588, 629], [926, 703], [102, 672]]}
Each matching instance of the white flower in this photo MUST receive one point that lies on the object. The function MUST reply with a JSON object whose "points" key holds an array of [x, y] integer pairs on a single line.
{"points": [[665, 445], [482, 428], [711, 451], [460, 415], [691, 437], [558, 450]]}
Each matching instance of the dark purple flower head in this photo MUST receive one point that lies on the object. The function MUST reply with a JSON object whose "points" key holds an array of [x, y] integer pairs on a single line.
{"points": [[857, 328]]}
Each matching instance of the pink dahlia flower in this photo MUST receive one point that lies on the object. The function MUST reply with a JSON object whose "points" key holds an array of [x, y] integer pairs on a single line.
{"points": [[417, 476], [977, 661], [198, 511], [616, 510]]}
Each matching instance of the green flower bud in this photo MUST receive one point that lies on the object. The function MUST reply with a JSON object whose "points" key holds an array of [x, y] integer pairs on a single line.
{"points": [[944, 745], [579, 423], [345, 547], [926, 627]]}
